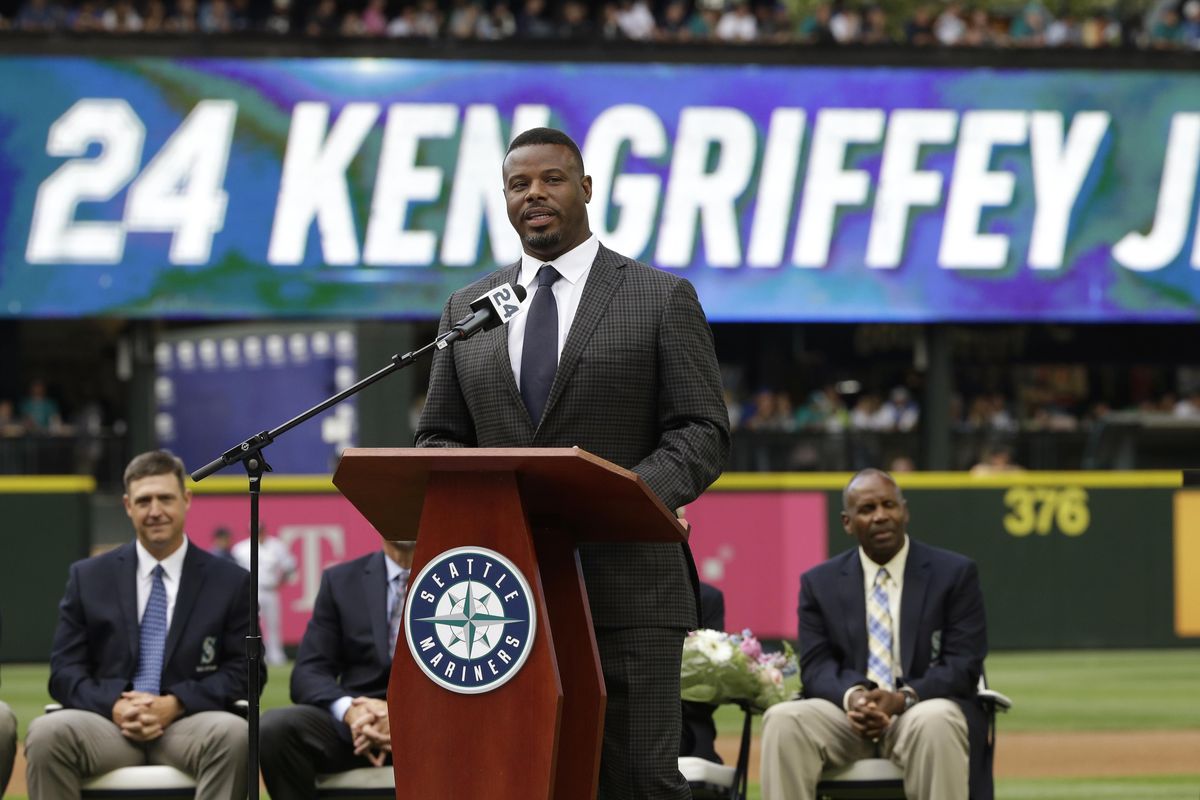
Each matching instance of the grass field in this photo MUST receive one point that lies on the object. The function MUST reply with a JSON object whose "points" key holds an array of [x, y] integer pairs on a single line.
{"points": [[1066, 692]]}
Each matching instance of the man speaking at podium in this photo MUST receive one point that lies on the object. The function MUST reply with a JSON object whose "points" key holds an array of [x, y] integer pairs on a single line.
{"points": [[617, 358]]}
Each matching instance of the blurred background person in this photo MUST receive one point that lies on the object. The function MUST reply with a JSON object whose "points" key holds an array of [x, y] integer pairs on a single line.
{"points": [[276, 566]]}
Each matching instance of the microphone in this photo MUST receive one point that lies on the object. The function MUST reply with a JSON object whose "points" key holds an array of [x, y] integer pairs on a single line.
{"points": [[496, 307]]}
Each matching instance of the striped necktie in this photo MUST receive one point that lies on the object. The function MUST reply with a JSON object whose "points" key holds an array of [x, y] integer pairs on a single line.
{"points": [[152, 640], [879, 630], [399, 585]]}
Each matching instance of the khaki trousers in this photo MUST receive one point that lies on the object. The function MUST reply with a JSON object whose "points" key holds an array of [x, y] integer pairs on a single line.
{"points": [[928, 742], [64, 748]]}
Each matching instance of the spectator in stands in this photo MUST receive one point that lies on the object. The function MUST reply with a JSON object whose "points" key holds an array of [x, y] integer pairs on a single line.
{"points": [[918, 31], [869, 414], [979, 31], [499, 24], [533, 21], [909, 696], [9, 424], [464, 16], [1063, 32], [38, 15], [427, 23], [702, 22], [950, 28], [39, 411], [900, 412], [774, 23], [164, 697], [845, 25], [635, 20], [339, 683], [279, 22], [814, 27], [155, 18], [1029, 27], [738, 24], [183, 20], [323, 19], [824, 411], [996, 457], [1191, 24], [902, 463], [215, 17], [374, 19], [1188, 407], [1167, 31], [275, 568], [674, 24], [875, 27], [575, 23]]}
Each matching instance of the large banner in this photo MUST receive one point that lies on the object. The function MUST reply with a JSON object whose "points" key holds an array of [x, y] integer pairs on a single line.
{"points": [[371, 187]]}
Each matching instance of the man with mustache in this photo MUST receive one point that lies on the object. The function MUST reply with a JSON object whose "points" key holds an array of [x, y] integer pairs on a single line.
{"points": [[892, 642], [615, 357]]}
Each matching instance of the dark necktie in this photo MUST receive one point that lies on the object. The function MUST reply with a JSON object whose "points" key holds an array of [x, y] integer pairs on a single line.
{"points": [[539, 353], [153, 637]]}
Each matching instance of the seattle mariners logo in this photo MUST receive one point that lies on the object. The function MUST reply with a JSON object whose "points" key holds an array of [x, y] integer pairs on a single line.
{"points": [[470, 620]]}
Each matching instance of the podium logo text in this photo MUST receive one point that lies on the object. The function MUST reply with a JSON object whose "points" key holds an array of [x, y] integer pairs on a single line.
{"points": [[470, 620]]}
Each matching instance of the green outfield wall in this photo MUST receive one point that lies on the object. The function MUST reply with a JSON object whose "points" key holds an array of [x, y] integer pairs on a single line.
{"points": [[1067, 559], [45, 524]]}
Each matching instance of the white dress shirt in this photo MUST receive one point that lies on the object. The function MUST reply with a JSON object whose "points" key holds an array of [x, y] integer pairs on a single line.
{"points": [[574, 267], [172, 573], [894, 591]]}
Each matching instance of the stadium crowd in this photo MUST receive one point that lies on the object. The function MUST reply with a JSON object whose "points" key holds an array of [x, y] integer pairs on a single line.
{"points": [[1167, 24]]}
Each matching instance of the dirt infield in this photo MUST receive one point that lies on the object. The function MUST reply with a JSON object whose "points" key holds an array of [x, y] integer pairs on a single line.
{"points": [[1067, 754], [1018, 755]]}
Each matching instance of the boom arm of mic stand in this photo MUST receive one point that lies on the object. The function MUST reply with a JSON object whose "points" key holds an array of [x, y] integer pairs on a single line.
{"points": [[250, 454]]}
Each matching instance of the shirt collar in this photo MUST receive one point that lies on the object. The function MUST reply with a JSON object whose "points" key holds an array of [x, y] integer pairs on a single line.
{"points": [[172, 564], [572, 265], [394, 569], [895, 567]]}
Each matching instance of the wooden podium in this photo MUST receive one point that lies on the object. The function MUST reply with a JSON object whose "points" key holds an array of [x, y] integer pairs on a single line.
{"points": [[539, 734]]}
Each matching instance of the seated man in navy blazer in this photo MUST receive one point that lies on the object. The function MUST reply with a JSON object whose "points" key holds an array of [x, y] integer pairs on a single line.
{"points": [[149, 654], [339, 683], [892, 642]]}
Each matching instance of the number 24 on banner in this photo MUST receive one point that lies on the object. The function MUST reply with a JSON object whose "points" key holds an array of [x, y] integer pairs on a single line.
{"points": [[179, 192]]}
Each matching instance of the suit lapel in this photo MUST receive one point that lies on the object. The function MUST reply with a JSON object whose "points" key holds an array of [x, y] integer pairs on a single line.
{"points": [[912, 602], [498, 340], [602, 282], [127, 595], [855, 605], [375, 587], [190, 582]]}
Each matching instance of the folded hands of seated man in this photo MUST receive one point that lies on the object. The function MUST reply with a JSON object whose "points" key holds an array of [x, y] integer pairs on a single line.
{"points": [[368, 721], [871, 711], [142, 717]]}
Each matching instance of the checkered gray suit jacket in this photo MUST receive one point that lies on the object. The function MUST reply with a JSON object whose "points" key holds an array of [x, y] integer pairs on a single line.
{"points": [[637, 384]]}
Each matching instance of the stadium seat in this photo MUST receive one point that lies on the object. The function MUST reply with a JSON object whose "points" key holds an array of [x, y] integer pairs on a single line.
{"points": [[151, 782], [373, 782], [147, 782], [880, 779]]}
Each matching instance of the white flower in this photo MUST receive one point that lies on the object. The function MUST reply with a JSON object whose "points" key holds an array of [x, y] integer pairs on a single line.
{"points": [[716, 649]]}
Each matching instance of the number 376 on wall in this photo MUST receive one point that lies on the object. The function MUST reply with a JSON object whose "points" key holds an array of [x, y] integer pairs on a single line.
{"points": [[1040, 510]]}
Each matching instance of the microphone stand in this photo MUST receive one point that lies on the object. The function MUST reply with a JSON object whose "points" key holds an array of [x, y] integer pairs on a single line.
{"points": [[250, 453]]}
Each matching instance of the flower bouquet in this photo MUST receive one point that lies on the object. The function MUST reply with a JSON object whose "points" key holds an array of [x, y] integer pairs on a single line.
{"points": [[721, 667]]}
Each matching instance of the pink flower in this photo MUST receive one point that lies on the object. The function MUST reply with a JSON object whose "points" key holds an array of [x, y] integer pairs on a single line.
{"points": [[751, 647]]}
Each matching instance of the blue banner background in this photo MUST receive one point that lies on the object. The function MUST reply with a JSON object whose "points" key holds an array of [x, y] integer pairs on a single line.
{"points": [[1119, 195]]}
